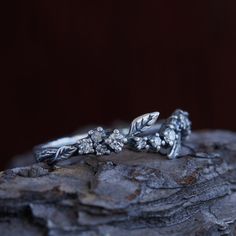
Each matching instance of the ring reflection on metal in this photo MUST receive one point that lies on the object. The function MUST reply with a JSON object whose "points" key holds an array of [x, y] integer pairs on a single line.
{"points": [[142, 135]]}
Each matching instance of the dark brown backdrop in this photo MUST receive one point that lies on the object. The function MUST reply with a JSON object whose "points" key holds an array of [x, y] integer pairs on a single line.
{"points": [[66, 64]]}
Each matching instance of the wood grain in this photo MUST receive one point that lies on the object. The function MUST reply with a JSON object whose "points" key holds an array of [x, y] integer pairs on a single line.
{"points": [[127, 194]]}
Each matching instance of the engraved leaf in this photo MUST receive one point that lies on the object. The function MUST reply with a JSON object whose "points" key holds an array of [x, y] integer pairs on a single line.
{"points": [[65, 152], [143, 122], [42, 155]]}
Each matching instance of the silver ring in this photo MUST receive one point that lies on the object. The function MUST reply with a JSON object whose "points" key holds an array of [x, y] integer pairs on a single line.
{"points": [[144, 134]]}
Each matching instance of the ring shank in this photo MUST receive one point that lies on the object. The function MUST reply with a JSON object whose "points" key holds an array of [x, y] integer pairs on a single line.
{"points": [[63, 141], [164, 137]]}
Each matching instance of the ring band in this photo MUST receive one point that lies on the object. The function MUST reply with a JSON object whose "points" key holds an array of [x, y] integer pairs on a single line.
{"points": [[142, 135]]}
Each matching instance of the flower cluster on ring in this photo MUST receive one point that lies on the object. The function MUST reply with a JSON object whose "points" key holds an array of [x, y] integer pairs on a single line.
{"points": [[153, 143], [167, 138], [181, 123], [101, 142]]}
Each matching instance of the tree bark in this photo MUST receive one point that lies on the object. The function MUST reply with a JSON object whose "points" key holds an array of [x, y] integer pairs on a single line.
{"points": [[129, 193]]}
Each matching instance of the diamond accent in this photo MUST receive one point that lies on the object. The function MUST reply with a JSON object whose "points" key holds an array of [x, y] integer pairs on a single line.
{"points": [[169, 135], [97, 135], [102, 150], [116, 141], [140, 143], [156, 143], [85, 146]]}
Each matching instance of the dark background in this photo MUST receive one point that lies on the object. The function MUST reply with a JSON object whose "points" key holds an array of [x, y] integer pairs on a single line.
{"points": [[67, 64]]}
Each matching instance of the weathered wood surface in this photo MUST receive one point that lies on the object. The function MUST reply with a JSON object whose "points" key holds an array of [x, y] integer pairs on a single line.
{"points": [[127, 194]]}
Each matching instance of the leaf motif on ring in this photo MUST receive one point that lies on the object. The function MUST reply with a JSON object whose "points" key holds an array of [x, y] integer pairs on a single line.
{"points": [[142, 123], [45, 154], [65, 152]]}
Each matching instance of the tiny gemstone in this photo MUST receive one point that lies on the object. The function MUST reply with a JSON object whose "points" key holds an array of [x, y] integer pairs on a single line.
{"points": [[85, 146], [115, 141], [170, 135], [116, 146], [156, 142], [98, 135], [102, 150], [116, 136], [141, 144]]}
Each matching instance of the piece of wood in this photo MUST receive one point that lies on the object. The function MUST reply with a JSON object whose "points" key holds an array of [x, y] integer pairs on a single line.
{"points": [[129, 193]]}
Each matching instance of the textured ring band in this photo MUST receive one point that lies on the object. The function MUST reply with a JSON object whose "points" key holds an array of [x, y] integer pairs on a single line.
{"points": [[142, 135]]}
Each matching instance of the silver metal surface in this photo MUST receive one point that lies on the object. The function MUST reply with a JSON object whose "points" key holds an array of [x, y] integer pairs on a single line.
{"points": [[144, 134]]}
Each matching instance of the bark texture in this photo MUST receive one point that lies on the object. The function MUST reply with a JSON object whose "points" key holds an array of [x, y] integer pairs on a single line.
{"points": [[127, 194]]}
